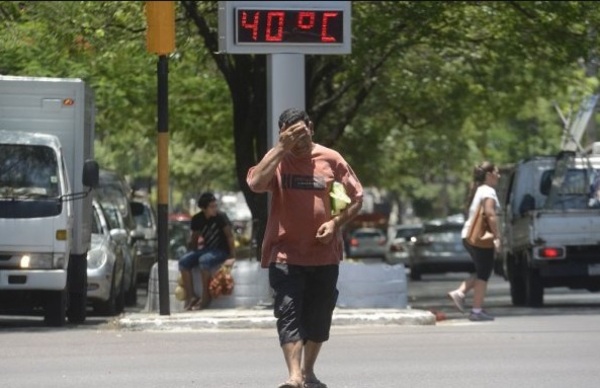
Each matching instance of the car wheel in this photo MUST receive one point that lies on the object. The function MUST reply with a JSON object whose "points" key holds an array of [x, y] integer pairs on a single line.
{"points": [[109, 307], [131, 296], [415, 273]]}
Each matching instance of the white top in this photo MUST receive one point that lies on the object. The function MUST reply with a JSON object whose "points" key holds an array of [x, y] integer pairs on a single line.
{"points": [[483, 192]]}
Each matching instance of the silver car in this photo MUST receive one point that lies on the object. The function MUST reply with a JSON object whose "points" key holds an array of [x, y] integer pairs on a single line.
{"points": [[146, 246], [105, 265], [366, 242], [398, 246], [439, 249]]}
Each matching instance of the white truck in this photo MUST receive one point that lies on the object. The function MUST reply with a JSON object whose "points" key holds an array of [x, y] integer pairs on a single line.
{"points": [[46, 173], [550, 221]]}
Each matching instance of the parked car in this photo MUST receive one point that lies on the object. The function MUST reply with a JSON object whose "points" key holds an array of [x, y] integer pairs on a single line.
{"points": [[127, 249], [179, 234], [398, 247], [439, 249], [147, 244], [113, 192], [367, 242], [105, 265]]}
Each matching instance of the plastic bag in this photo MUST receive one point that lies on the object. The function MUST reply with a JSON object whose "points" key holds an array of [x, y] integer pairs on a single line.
{"points": [[222, 282]]}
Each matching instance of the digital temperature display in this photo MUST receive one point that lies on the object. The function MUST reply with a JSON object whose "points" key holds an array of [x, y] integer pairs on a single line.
{"points": [[287, 26]]}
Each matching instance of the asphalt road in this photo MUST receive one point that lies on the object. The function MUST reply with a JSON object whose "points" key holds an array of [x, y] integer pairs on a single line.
{"points": [[555, 346], [430, 294]]}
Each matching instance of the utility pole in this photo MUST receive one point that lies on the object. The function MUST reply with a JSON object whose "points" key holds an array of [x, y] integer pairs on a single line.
{"points": [[160, 40]]}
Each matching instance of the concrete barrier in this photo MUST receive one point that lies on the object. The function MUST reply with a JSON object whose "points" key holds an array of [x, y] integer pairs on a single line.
{"points": [[362, 284], [372, 284], [251, 287]]}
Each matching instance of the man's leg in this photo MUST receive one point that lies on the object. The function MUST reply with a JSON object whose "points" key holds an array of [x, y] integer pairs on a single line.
{"points": [[319, 302], [292, 352], [288, 284], [311, 352], [186, 278], [186, 263], [206, 298]]}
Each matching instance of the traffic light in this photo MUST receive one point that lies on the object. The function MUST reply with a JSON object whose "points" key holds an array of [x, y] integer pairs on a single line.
{"points": [[160, 31]]}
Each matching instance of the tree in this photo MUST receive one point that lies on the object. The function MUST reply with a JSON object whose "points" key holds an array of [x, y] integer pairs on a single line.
{"points": [[429, 89]]}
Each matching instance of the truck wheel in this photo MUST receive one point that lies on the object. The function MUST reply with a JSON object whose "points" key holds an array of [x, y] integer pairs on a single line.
{"points": [[77, 285], [55, 309], [77, 307], [534, 288], [517, 283], [517, 291]]}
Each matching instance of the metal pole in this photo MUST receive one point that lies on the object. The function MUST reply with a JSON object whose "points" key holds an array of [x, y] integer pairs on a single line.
{"points": [[282, 95], [163, 183]]}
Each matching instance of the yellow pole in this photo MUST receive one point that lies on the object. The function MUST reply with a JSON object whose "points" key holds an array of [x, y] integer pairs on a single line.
{"points": [[160, 39]]}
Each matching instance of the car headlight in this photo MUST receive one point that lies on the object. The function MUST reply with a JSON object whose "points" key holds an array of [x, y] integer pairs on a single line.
{"points": [[42, 261], [96, 259]]}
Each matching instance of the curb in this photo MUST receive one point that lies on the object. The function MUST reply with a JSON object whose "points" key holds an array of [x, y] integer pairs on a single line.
{"points": [[263, 319]]}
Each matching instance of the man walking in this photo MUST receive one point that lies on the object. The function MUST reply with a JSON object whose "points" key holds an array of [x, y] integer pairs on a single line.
{"points": [[302, 247]]}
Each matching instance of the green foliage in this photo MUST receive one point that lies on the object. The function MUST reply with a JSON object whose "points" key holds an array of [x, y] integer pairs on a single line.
{"points": [[430, 89]]}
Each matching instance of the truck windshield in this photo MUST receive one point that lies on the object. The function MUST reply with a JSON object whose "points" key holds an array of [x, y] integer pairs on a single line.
{"points": [[28, 174], [576, 182], [574, 191]]}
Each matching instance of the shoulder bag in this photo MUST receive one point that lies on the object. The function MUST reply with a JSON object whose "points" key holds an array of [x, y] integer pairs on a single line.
{"points": [[480, 235]]}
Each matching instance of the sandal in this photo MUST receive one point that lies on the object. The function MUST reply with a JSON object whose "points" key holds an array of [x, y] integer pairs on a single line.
{"points": [[315, 383], [201, 304], [290, 384], [192, 303]]}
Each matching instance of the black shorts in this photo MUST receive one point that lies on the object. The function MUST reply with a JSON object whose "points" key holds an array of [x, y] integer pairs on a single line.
{"points": [[304, 301], [483, 258]]}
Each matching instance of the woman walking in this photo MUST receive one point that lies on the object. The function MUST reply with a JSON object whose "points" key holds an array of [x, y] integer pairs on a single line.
{"points": [[485, 179]]}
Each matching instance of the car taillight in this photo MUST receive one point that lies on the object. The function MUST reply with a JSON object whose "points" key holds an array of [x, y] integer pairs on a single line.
{"points": [[354, 242], [396, 248], [551, 253]]}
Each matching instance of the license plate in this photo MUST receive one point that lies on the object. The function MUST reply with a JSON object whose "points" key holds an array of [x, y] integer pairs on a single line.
{"points": [[594, 269]]}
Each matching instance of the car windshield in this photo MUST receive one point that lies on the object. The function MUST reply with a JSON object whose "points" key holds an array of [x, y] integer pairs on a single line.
{"points": [[112, 216], [443, 232]]}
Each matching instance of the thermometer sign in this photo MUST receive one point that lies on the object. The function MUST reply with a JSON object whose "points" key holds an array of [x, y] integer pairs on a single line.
{"points": [[285, 26]]}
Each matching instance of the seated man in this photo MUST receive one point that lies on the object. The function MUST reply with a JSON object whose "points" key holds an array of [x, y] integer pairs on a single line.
{"points": [[211, 244]]}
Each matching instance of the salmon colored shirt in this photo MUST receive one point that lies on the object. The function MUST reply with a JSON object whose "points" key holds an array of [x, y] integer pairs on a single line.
{"points": [[300, 204]]}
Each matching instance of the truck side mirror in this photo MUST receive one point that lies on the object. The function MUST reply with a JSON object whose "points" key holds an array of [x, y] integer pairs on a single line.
{"points": [[91, 173]]}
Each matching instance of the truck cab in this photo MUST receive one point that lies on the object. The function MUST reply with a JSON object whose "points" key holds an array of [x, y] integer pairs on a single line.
{"points": [[46, 173], [549, 239]]}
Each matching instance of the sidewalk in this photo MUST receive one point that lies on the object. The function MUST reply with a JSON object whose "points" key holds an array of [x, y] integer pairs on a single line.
{"points": [[261, 318]]}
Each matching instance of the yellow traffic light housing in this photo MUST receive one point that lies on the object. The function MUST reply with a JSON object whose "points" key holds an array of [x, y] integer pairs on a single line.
{"points": [[160, 31]]}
